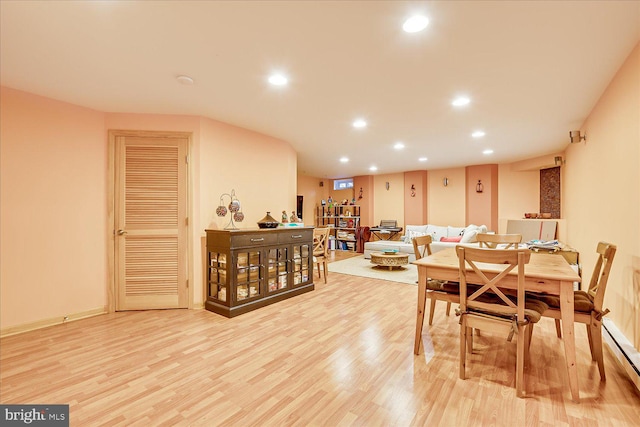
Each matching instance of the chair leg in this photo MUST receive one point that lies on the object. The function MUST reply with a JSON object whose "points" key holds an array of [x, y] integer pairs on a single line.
{"points": [[326, 270], [463, 346], [319, 276], [596, 336], [431, 310], [528, 335], [558, 328], [469, 332], [520, 361], [590, 337], [448, 307]]}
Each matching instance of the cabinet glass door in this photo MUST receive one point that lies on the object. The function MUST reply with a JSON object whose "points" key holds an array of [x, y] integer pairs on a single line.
{"points": [[218, 285], [248, 275], [277, 269], [301, 264]]}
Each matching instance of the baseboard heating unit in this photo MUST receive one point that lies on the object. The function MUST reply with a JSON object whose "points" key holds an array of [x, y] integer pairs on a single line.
{"points": [[627, 355]]}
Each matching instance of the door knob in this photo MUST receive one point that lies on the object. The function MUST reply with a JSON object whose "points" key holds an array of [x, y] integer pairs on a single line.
{"points": [[121, 232]]}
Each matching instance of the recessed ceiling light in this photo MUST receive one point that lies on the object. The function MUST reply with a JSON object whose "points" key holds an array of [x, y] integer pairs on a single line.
{"points": [[478, 134], [185, 80], [344, 159], [278, 80], [486, 152], [398, 146], [373, 168], [359, 123], [460, 101], [422, 159], [415, 23]]}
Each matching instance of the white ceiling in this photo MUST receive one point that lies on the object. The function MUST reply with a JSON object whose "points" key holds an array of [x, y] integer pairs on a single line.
{"points": [[533, 70]]}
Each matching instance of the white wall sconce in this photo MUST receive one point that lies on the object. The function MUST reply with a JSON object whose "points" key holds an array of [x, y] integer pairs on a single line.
{"points": [[575, 136], [386, 184], [445, 181]]}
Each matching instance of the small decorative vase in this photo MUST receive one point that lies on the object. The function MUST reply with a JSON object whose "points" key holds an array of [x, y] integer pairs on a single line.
{"points": [[268, 222]]}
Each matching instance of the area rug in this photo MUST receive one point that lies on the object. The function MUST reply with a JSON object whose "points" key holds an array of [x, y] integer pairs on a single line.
{"points": [[358, 266]]}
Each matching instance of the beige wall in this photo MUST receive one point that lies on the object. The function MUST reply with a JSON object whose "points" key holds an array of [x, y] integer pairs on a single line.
{"points": [[53, 212], [389, 204], [54, 226], [601, 191], [446, 205], [519, 192], [264, 182]]}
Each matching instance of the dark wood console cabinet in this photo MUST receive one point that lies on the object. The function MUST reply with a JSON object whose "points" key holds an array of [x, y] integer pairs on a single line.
{"points": [[248, 269]]}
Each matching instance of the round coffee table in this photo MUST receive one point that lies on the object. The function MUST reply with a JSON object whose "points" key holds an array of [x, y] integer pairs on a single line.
{"points": [[396, 259]]}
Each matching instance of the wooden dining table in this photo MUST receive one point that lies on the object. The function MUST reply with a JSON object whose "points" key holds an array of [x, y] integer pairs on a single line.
{"points": [[545, 272]]}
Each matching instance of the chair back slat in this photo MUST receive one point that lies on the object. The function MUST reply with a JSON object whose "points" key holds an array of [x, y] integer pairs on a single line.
{"points": [[600, 277], [491, 241], [321, 241], [492, 266], [422, 246]]}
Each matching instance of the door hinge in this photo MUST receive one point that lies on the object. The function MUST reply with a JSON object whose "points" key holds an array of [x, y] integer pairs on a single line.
{"points": [[187, 283], [186, 159], [186, 221]]}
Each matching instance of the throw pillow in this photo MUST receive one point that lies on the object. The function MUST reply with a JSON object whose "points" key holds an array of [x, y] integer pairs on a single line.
{"points": [[451, 239], [410, 231], [454, 231], [411, 234], [437, 232], [469, 236]]}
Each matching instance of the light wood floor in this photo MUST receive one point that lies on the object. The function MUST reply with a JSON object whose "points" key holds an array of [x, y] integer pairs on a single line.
{"points": [[340, 355]]}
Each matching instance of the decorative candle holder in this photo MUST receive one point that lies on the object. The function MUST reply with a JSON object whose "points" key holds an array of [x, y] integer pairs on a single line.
{"points": [[234, 207]]}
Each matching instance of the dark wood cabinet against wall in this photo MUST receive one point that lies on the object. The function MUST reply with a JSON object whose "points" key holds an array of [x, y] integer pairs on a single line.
{"points": [[248, 269]]}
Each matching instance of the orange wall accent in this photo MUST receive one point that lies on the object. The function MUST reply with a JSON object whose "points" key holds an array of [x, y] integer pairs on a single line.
{"points": [[367, 201], [482, 208], [309, 188], [415, 202]]}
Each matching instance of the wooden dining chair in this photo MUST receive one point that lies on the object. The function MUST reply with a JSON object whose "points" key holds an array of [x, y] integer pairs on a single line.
{"points": [[321, 249], [588, 305], [437, 290], [491, 241], [488, 308]]}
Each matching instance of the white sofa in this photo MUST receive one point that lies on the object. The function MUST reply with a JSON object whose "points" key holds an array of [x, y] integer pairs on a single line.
{"points": [[467, 235]]}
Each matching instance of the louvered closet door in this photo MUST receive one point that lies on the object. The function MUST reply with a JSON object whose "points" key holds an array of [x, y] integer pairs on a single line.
{"points": [[151, 223]]}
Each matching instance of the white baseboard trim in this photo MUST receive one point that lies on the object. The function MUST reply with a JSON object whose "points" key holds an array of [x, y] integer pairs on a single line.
{"points": [[627, 355], [18, 329]]}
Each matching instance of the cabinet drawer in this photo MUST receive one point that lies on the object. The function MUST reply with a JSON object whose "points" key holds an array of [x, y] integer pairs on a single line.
{"points": [[251, 240], [295, 236]]}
